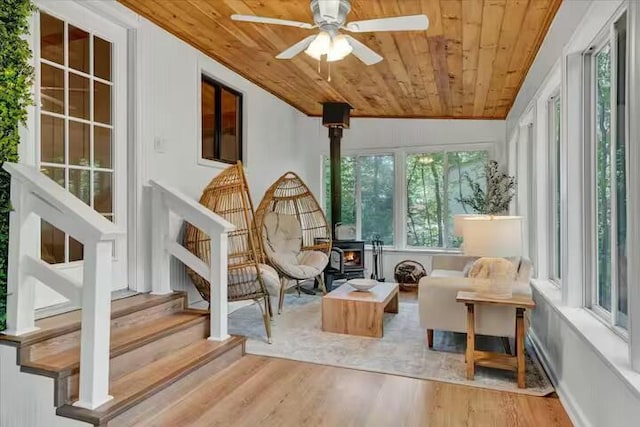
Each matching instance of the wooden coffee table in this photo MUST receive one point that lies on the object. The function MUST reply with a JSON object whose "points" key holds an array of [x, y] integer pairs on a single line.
{"points": [[347, 311], [496, 360]]}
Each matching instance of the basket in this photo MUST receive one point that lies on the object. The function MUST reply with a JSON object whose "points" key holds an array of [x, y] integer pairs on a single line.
{"points": [[408, 273]]}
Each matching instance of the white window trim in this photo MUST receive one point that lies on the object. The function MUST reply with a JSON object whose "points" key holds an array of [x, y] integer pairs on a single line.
{"points": [[604, 37], [553, 182], [400, 191]]}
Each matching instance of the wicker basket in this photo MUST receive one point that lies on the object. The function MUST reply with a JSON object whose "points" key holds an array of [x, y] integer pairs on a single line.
{"points": [[408, 273]]}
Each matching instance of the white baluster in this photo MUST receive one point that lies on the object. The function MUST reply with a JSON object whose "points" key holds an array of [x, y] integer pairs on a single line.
{"points": [[161, 259], [96, 325], [218, 283], [24, 228]]}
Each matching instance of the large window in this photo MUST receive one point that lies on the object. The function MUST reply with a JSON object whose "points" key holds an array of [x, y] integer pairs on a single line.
{"points": [[555, 216], [367, 195], [415, 213], [435, 183], [608, 85], [76, 124], [221, 126]]}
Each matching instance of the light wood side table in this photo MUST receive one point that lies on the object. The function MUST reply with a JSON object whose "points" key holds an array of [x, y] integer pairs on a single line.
{"points": [[490, 359]]}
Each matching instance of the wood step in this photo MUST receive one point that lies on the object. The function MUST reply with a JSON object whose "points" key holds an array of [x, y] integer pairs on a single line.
{"points": [[62, 324], [137, 358], [57, 364], [144, 388]]}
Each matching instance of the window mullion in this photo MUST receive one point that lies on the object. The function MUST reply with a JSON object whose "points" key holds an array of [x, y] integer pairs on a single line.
{"points": [[217, 139], [445, 200]]}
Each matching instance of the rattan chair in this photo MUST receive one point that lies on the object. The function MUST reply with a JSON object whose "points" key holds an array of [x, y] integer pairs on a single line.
{"points": [[249, 278], [286, 199]]}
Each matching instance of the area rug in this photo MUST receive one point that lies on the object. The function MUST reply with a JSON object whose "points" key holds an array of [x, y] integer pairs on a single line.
{"points": [[297, 335]]}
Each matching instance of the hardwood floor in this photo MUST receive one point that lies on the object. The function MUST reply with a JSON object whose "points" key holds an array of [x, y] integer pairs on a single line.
{"points": [[276, 392]]}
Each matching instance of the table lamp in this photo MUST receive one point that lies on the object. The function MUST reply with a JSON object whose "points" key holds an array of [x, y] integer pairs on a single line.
{"points": [[494, 237]]}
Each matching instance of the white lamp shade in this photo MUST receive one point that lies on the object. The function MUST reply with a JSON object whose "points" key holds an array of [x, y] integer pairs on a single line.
{"points": [[458, 222], [492, 236]]}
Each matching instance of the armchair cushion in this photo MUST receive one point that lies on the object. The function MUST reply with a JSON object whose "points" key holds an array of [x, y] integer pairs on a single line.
{"points": [[282, 236]]}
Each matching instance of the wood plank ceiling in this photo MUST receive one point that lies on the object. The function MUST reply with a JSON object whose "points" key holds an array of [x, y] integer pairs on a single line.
{"points": [[469, 63]]}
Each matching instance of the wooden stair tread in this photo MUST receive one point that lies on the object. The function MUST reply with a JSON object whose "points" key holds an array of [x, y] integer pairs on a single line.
{"points": [[135, 387], [61, 324], [122, 340]]}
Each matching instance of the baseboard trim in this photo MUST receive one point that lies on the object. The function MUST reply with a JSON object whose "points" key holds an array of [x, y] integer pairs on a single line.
{"points": [[574, 411]]}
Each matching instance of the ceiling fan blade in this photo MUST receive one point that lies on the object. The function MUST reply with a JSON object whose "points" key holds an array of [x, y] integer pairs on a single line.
{"points": [[363, 53], [398, 23], [296, 48], [274, 21]]}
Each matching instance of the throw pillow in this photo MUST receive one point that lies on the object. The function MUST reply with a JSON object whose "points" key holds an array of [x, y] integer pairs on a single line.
{"points": [[493, 268], [467, 267]]}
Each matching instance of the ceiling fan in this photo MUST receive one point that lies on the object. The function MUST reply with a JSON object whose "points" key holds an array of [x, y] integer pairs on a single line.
{"points": [[330, 17]]}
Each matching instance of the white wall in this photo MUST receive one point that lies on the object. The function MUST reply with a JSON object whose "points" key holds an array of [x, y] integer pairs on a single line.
{"points": [[169, 73], [589, 364]]}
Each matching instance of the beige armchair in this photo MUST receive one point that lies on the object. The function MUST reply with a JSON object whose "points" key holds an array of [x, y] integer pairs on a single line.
{"points": [[440, 311]]}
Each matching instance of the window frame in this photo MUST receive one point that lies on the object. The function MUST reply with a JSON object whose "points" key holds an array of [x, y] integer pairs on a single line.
{"points": [[400, 191], [555, 205], [218, 85], [609, 36]]}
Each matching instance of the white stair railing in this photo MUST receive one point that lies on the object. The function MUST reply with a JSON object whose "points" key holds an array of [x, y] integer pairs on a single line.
{"points": [[165, 202], [35, 196]]}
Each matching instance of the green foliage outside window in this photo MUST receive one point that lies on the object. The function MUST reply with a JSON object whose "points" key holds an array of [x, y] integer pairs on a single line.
{"points": [[16, 76]]}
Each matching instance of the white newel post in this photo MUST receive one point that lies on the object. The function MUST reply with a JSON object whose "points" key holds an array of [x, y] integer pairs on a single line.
{"points": [[218, 285], [160, 257], [24, 227], [96, 325]]}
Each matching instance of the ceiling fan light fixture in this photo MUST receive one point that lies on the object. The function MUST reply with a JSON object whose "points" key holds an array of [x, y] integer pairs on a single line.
{"points": [[319, 46], [340, 48]]}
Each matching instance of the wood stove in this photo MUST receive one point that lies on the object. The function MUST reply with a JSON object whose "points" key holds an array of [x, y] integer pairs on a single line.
{"points": [[346, 261]]}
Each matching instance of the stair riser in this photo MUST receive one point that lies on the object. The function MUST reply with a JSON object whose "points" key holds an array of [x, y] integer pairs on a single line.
{"points": [[177, 390], [137, 358], [72, 340]]}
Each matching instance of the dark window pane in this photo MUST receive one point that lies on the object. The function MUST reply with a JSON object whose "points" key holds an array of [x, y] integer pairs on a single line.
{"points": [[208, 109], [52, 89], [76, 250], [230, 142], [102, 147], [376, 197], [51, 244], [51, 38], [78, 96], [462, 166], [101, 58], [603, 175], [425, 196], [79, 143], [78, 49], [348, 189], [79, 184], [103, 194], [51, 139], [102, 103]]}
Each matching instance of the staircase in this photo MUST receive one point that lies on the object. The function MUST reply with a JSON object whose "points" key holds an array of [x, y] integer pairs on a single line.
{"points": [[158, 351]]}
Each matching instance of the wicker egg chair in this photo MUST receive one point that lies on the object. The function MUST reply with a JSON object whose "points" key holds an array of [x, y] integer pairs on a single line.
{"points": [[289, 198], [249, 278]]}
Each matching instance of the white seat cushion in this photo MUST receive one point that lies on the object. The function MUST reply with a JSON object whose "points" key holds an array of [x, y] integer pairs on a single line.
{"points": [[282, 235]]}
